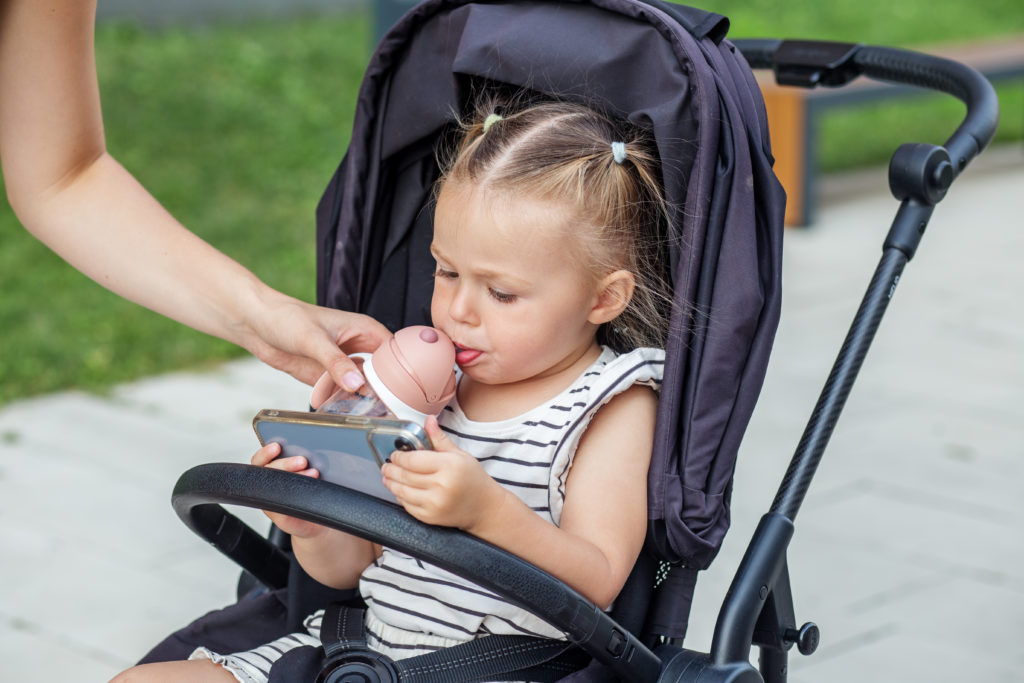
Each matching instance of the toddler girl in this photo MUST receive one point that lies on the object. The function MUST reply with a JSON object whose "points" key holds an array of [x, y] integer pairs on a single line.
{"points": [[547, 235]]}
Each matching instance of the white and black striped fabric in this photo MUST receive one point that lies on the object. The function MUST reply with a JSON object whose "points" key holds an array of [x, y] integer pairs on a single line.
{"points": [[253, 666], [531, 456]]}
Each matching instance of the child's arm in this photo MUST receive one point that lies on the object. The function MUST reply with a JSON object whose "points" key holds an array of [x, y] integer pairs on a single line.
{"points": [[604, 517], [332, 557]]}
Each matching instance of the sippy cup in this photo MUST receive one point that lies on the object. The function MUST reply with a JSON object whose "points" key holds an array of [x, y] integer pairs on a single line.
{"points": [[409, 376]]}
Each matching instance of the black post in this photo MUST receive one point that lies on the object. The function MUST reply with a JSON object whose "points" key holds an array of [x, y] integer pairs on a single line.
{"points": [[837, 388]]}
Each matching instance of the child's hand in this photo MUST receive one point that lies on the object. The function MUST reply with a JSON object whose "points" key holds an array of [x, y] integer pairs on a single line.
{"points": [[446, 486], [265, 457]]}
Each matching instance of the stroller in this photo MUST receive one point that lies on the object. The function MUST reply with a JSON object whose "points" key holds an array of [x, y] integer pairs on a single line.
{"points": [[670, 68]]}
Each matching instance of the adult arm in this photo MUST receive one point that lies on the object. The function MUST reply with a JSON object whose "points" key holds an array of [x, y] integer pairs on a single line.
{"points": [[70, 193]]}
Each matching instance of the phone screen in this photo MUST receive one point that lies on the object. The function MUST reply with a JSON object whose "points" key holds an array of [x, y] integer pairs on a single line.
{"points": [[348, 456]]}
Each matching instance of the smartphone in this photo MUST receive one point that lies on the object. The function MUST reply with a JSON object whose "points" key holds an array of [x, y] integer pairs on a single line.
{"points": [[347, 450]]}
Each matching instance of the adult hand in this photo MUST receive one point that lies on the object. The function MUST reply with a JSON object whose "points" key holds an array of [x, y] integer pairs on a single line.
{"points": [[305, 340]]}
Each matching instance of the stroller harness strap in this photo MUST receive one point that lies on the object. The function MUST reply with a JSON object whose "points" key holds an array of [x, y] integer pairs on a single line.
{"points": [[482, 659]]}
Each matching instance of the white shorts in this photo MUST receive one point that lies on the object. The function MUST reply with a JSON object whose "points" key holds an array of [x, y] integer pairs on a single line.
{"points": [[253, 666]]}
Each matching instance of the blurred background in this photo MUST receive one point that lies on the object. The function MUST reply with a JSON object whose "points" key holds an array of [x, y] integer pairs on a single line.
{"points": [[235, 113]]}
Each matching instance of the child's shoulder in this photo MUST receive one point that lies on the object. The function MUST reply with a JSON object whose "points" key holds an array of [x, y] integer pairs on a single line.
{"points": [[630, 380], [642, 365]]}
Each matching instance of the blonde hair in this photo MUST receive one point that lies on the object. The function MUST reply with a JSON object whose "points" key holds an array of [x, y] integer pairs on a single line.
{"points": [[563, 151]]}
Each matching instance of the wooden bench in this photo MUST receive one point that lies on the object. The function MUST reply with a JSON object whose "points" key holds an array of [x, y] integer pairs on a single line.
{"points": [[793, 113]]}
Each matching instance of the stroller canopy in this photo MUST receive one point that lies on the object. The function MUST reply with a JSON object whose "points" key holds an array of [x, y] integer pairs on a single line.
{"points": [[662, 66]]}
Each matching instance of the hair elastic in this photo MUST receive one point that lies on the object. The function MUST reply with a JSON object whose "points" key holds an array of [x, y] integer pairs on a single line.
{"points": [[491, 120], [619, 152]]}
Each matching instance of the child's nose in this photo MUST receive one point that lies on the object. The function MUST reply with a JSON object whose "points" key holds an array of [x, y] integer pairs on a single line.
{"points": [[461, 308]]}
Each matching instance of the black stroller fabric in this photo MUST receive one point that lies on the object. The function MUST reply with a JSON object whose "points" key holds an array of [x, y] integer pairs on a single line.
{"points": [[663, 66]]}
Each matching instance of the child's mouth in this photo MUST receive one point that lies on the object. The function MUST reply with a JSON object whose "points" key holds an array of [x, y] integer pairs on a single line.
{"points": [[464, 356]]}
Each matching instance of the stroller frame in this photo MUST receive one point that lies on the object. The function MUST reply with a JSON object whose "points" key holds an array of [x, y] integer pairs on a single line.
{"points": [[758, 608]]}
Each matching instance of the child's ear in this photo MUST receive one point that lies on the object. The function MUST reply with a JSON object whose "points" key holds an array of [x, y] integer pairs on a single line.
{"points": [[613, 295]]}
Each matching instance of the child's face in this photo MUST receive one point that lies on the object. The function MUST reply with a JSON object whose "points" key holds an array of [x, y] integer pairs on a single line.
{"points": [[508, 290]]}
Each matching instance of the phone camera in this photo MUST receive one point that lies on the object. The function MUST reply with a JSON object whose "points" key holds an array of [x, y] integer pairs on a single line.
{"points": [[403, 444]]}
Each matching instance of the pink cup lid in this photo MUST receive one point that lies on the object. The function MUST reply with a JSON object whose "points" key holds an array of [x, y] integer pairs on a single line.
{"points": [[413, 372], [417, 365]]}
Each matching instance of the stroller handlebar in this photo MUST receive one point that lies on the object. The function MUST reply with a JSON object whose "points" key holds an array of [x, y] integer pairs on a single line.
{"points": [[821, 63], [200, 491]]}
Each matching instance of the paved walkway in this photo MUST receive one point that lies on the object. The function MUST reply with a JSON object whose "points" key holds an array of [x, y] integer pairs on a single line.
{"points": [[908, 552]]}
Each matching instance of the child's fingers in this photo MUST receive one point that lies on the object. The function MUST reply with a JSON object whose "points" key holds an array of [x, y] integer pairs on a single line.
{"points": [[266, 454], [420, 462], [405, 476], [438, 437], [269, 456], [410, 497]]}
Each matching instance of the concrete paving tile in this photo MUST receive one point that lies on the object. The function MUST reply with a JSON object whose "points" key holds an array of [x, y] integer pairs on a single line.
{"points": [[104, 435], [975, 616], [913, 528], [97, 490], [112, 607], [209, 401], [78, 502], [967, 464], [31, 654], [896, 656]]}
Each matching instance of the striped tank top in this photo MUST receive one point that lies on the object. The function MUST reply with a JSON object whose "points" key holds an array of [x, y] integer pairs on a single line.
{"points": [[531, 456]]}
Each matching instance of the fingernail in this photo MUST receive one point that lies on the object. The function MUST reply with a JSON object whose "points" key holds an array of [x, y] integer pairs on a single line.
{"points": [[352, 380]]}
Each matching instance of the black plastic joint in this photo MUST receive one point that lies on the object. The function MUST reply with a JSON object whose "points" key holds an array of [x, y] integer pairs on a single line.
{"points": [[908, 227], [687, 666], [810, 63], [920, 172]]}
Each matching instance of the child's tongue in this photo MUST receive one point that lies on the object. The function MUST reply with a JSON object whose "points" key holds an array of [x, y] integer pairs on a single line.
{"points": [[463, 356]]}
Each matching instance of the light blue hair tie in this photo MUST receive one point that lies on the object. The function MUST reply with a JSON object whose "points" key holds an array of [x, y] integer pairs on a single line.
{"points": [[491, 120], [619, 152]]}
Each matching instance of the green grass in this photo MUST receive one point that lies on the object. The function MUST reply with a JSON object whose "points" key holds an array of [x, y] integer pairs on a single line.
{"points": [[906, 23], [867, 134], [237, 129]]}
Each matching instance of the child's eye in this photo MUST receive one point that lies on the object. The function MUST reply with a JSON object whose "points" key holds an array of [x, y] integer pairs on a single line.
{"points": [[447, 274], [502, 297]]}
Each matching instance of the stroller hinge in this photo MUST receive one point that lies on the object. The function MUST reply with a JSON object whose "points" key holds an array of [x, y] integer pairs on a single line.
{"points": [[810, 63]]}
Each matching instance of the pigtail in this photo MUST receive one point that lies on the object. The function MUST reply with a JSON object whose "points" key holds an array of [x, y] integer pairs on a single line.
{"points": [[619, 152]]}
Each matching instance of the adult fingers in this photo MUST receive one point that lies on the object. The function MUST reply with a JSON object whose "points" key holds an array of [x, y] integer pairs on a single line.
{"points": [[304, 340], [352, 333]]}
